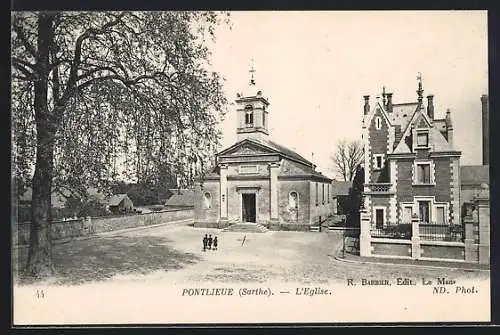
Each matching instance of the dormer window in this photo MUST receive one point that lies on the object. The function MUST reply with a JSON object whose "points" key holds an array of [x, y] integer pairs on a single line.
{"points": [[249, 116], [378, 122], [422, 139]]}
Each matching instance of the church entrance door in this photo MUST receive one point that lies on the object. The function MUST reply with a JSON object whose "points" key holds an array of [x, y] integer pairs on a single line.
{"points": [[248, 207]]}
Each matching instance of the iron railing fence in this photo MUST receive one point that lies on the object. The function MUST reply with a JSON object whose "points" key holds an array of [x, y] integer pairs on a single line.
{"points": [[439, 232], [398, 231]]}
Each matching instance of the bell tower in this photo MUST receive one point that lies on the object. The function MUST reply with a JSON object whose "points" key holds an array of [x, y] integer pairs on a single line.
{"points": [[252, 112]]}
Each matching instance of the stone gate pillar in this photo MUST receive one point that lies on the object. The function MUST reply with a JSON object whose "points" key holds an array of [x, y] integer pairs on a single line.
{"points": [[365, 244], [223, 192], [273, 188], [483, 208], [415, 237]]}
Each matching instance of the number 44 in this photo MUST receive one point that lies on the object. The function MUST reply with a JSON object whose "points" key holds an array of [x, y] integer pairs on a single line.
{"points": [[40, 294]]}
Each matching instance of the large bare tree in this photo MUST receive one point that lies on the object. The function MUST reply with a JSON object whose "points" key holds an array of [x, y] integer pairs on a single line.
{"points": [[348, 155], [93, 91]]}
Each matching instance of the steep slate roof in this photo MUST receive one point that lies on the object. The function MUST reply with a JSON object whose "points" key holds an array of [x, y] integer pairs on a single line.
{"points": [[116, 199], [474, 174], [185, 198], [341, 187], [421, 119]]}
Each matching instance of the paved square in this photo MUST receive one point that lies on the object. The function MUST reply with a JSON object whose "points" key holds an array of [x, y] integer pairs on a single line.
{"points": [[173, 253]]}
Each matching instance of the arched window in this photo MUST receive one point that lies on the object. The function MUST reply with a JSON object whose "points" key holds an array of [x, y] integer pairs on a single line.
{"points": [[208, 201], [293, 200], [249, 116]]}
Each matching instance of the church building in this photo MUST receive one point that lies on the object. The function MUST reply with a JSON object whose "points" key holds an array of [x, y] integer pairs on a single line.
{"points": [[259, 181]]}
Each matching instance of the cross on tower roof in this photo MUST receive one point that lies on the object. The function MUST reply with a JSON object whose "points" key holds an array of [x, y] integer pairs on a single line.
{"points": [[252, 71]]}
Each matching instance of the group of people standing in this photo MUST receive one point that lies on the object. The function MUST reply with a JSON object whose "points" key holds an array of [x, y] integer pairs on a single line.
{"points": [[209, 242]]}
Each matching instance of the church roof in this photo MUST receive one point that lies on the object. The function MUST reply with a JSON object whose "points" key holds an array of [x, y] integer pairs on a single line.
{"points": [[270, 145], [284, 150]]}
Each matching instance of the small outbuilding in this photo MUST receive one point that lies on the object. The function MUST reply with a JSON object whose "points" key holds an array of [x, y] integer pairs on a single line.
{"points": [[120, 203]]}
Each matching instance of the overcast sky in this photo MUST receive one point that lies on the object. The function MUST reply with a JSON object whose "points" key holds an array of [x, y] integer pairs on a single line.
{"points": [[314, 68]]}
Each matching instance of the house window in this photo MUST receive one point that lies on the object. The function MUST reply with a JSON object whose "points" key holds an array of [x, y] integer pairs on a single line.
{"points": [[379, 217], [424, 211], [328, 195], [208, 201], [378, 161], [316, 194], [378, 122], [249, 116], [264, 119], [423, 140], [293, 200], [423, 173], [441, 215]]}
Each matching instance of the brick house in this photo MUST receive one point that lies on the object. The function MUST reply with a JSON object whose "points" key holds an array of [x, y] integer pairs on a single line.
{"points": [[259, 181], [411, 166]]}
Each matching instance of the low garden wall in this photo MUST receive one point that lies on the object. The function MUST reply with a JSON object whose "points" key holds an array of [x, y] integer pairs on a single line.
{"points": [[288, 226], [89, 226]]}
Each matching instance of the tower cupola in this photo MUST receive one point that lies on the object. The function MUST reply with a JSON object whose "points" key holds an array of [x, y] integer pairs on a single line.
{"points": [[252, 112]]}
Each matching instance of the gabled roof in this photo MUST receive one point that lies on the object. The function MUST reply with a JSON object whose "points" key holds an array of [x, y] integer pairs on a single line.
{"points": [[474, 174], [401, 147], [116, 199], [370, 115], [270, 146], [341, 187], [184, 197]]}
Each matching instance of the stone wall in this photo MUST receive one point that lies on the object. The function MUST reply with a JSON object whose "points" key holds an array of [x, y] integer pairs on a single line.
{"points": [[202, 213], [320, 210], [89, 226], [302, 189]]}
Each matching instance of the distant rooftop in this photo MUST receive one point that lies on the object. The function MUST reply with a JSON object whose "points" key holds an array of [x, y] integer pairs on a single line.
{"points": [[341, 187], [474, 174]]}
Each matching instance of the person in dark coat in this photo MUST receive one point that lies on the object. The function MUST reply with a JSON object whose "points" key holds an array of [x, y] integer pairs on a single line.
{"points": [[215, 243], [210, 242], [205, 242]]}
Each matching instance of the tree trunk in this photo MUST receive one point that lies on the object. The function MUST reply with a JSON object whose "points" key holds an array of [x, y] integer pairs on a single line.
{"points": [[39, 264]]}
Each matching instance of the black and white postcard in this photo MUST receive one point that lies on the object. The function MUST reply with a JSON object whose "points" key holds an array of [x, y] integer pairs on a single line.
{"points": [[174, 167]]}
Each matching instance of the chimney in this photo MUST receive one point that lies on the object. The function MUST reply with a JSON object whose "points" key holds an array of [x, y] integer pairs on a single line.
{"points": [[384, 95], [367, 104], [486, 132], [430, 106], [449, 127], [389, 102]]}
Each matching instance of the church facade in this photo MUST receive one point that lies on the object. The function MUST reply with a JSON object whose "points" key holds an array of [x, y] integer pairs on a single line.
{"points": [[257, 180]]}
